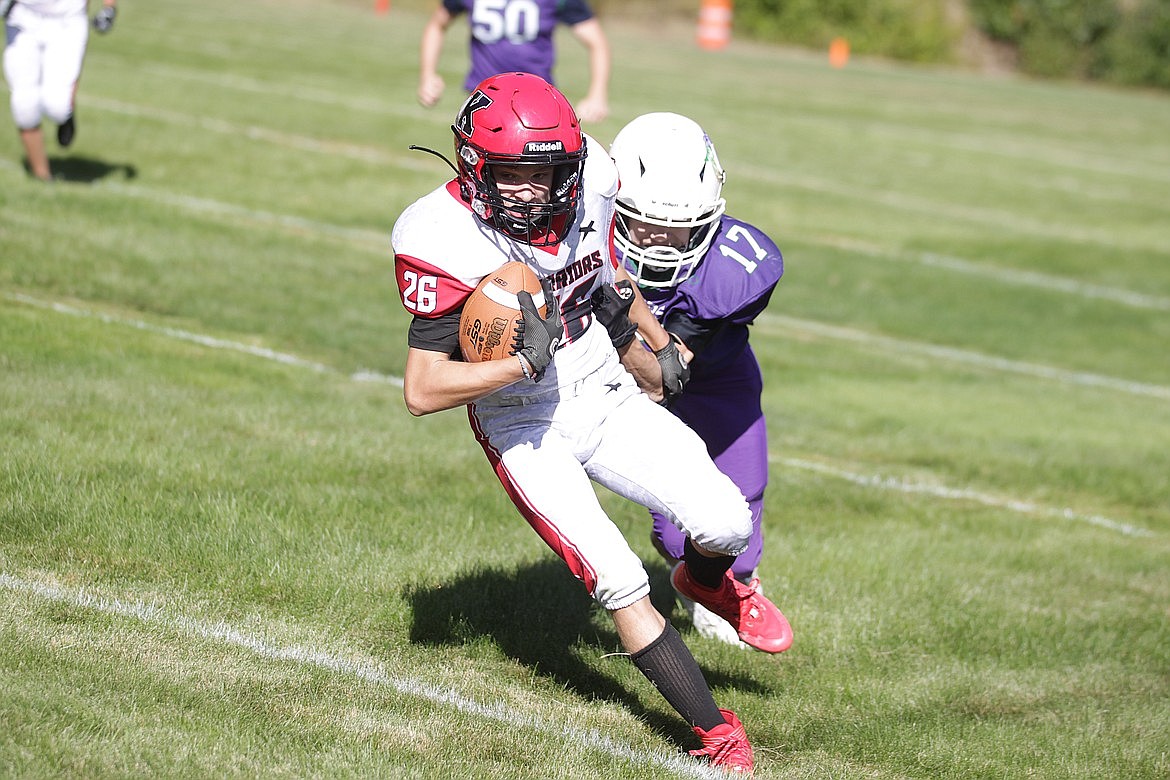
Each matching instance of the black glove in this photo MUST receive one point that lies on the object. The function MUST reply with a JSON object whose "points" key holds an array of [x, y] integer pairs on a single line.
{"points": [[103, 20], [675, 373], [611, 307], [537, 339]]}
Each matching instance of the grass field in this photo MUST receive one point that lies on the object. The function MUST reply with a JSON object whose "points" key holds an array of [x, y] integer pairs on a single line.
{"points": [[227, 550]]}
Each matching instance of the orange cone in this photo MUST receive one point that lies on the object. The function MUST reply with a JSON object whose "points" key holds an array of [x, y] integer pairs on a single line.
{"points": [[838, 52], [381, 6], [714, 24]]}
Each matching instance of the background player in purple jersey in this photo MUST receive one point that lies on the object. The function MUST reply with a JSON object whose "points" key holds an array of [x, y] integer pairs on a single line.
{"points": [[517, 35], [706, 276]]}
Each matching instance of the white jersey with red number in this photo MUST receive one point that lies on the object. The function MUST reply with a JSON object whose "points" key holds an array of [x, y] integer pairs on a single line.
{"points": [[586, 419], [442, 251]]}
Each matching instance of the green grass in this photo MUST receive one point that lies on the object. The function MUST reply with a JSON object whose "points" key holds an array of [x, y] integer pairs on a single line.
{"points": [[226, 549]]}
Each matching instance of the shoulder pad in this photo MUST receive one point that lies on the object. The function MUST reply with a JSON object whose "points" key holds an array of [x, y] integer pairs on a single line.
{"points": [[601, 174]]}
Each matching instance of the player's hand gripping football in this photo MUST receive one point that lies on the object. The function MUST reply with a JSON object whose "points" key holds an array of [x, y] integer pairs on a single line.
{"points": [[676, 372], [537, 338], [103, 20]]}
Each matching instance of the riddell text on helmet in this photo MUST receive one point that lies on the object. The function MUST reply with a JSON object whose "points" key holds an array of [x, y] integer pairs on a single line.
{"points": [[533, 147]]}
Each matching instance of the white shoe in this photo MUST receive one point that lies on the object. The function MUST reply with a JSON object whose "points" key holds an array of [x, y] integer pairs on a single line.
{"points": [[710, 625]]}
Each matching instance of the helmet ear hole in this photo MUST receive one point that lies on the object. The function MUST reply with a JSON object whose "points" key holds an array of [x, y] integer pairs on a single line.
{"points": [[520, 119]]}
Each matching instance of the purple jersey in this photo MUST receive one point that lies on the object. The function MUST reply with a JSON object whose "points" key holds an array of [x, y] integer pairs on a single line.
{"points": [[728, 290], [515, 35], [712, 310]]}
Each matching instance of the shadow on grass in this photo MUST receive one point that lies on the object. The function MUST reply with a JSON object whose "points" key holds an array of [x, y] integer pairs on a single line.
{"points": [[538, 616], [87, 170]]}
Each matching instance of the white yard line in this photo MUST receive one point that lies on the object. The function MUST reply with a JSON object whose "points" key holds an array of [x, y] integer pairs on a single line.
{"points": [[368, 670], [949, 354], [967, 357], [960, 494], [370, 240], [299, 92], [1004, 144], [902, 201], [968, 494], [995, 219], [374, 241], [417, 163], [1004, 275], [302, 143], [360, 238], [199, 338]]}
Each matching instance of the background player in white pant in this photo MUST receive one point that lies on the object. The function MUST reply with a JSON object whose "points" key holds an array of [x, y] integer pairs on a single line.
{"points": [[531, 188], [43, 54]]}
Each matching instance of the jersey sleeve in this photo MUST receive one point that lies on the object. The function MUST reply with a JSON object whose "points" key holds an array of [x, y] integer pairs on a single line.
{"points": [[601, 173], [696, 334], [439, 334], [737, 277], [436, 301], [454, 7], [427, 291]]}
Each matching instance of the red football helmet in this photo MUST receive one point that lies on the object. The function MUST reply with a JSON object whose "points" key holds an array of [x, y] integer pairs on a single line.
{"points": [[520, 119]]}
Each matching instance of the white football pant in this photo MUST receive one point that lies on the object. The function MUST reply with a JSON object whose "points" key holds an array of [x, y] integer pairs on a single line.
{"points": [[42, 63], [605, 429]]}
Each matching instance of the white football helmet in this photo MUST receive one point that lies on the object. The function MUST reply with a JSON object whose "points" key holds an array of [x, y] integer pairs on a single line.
{"points": [[671, 177]]}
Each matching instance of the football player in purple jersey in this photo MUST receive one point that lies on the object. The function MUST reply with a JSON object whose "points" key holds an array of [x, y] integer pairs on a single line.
{"points": [[45, 48], [517, 35], [706, 276]]}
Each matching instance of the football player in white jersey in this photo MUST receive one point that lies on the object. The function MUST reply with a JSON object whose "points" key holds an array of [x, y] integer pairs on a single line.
{"points": [[564, 410], [46, 42]]}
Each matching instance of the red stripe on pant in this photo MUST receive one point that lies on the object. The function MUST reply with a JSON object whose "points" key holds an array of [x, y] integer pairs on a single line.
{"points": [[544, 528]]}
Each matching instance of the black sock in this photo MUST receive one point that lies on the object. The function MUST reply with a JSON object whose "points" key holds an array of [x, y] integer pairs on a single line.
{"points": [[667, 662], [708, 572]]}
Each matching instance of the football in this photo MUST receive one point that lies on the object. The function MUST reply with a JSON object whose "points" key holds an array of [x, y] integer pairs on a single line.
{"points": [[492, 311]]}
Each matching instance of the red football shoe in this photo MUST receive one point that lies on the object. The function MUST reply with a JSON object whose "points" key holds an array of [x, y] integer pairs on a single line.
{"points": [[756, 619], [727, 746]]}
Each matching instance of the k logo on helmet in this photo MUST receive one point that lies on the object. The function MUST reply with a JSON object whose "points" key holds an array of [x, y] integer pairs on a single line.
{"points": [[477, 100]]}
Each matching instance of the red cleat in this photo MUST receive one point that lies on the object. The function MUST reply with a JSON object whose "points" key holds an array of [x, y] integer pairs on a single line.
{"points": [[756, 619], [727, 746]]}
